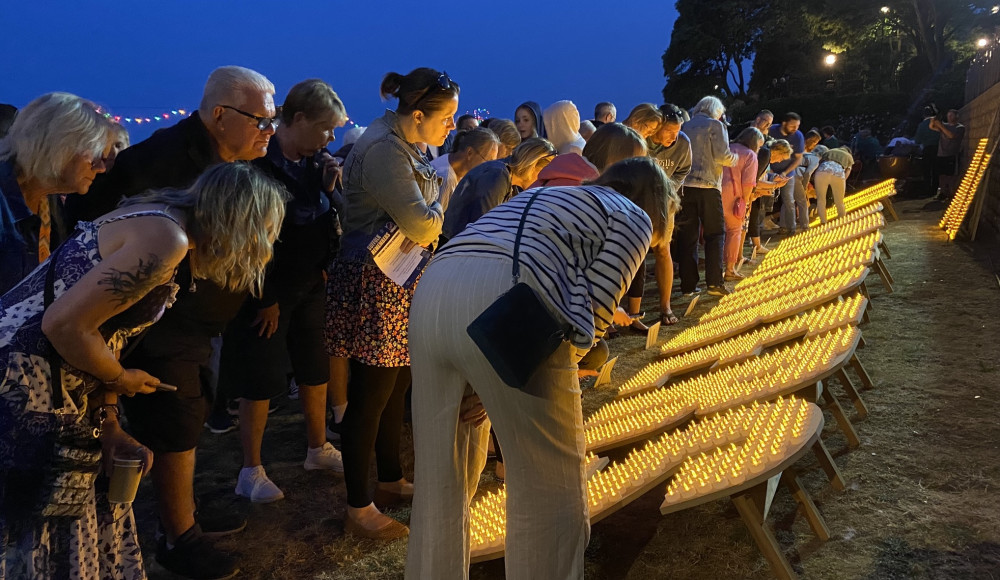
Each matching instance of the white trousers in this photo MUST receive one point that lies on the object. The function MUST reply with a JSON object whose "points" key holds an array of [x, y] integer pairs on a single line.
{"points": [[823, 180], [541, 435]]}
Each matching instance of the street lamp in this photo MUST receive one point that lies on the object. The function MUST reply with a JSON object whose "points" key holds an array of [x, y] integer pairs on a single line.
{"points": [[885, 10], [830, 60], [983, 42]]}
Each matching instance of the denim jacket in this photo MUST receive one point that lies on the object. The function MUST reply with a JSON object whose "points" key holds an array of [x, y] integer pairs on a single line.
{"points": [[387, 179], [709, 152]]}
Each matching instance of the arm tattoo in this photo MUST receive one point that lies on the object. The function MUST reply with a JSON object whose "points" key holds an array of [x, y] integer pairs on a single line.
{"points": [[129, 286]]}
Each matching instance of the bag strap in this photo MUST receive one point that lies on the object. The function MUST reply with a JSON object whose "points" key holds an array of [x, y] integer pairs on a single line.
{"points": [[54, 358], [516, 268]]}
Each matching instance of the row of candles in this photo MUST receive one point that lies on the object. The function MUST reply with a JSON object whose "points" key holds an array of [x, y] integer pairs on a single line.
{"points": [[878, 192], [778, 303], [960, 203], [754, 379], [710, 455], [857, 250], [832, 233], [842, 312]]}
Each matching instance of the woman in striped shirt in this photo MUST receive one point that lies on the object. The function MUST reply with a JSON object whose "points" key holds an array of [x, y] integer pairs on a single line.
{"points": [[580, 248]]}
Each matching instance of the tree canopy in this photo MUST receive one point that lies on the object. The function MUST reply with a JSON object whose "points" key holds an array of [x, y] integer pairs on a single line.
{"points": [[889, 45]]}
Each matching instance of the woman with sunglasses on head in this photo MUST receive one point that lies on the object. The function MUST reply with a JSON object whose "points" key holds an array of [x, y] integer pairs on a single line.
{"points": [[286, 321], [386, 181], [57, 144]]}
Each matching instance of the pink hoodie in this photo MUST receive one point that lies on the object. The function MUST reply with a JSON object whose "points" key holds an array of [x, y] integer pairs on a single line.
{"points": [[567, 169]]}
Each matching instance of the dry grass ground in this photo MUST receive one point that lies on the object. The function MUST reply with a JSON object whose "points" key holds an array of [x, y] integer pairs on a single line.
{"points": [[921, 490]]}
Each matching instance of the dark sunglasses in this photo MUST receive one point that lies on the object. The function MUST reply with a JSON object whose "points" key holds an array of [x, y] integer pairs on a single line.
{"points": [[262, 122], [444, 82]]}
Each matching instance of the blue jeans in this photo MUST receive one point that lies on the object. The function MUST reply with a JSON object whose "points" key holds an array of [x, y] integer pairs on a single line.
{"points": [[794, 201]]}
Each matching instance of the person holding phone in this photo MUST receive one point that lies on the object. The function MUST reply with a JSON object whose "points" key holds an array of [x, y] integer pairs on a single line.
{"points": [[112, 278], [286, 321]]}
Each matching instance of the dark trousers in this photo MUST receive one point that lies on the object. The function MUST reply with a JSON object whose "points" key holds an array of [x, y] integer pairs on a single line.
{"points": [[373, 420], [638, 284], [756, 219], [701, 212]]}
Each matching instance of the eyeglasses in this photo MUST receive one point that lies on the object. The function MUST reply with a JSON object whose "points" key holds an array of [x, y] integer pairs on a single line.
{"points": [[444, 82], [262, 122]]}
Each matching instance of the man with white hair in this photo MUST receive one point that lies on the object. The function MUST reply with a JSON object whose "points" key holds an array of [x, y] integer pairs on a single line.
{"points": [[234, 122]]}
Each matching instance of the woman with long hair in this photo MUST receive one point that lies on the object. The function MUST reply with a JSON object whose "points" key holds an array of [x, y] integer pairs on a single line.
{"points": [[388, 186], [112, 278]]}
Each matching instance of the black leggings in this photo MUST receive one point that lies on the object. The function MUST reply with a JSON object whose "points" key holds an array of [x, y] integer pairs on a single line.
{"points": [[638, 282], [756, 219], [374, 419]]}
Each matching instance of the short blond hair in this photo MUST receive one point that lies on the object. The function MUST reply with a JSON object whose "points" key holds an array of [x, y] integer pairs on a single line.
{"points": [[313, 98], [50, 132]]}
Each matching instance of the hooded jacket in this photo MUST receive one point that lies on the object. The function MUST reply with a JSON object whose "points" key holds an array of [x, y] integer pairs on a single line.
{"points": [[567, 169], [562, 124], [536, 110]]}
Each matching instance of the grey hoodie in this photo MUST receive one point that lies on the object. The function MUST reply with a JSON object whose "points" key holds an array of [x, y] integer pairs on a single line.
{"points": [[709, 152]]}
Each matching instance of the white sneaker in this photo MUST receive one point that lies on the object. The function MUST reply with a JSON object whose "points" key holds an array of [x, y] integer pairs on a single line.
{"points": [[253, 483], [325, 457]]}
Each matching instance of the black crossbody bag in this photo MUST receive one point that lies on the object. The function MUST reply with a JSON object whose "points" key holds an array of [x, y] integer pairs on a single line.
{"points": [[517, 333]]}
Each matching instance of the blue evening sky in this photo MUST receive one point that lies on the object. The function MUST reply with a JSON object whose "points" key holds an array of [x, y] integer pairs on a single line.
{"points": [[142, 58]]}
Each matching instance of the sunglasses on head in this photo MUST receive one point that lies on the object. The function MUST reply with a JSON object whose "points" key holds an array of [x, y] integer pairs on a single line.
{"points": [[444, 82], [262, 122]]}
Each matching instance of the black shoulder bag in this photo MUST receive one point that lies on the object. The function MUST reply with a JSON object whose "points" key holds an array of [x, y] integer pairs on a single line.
{"points": [[517, 333]]}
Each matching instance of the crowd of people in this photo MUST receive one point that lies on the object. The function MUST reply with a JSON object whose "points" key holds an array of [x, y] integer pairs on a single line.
{"points": [[152, 290]]}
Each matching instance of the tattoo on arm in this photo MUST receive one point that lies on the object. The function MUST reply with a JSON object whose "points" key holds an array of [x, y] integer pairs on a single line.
{"points": [[129, 286]]}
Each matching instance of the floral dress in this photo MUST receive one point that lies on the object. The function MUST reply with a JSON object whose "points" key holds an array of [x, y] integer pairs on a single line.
{"points": [[103, 543]]}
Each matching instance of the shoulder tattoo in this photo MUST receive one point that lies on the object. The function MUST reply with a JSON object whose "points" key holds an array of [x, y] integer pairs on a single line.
{"points": [[127, 286]]}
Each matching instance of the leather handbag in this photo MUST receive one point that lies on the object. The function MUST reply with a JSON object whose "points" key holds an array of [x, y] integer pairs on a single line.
{"points": [[517, 333]]}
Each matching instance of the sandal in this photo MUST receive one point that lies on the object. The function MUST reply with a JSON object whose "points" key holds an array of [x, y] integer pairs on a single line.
{"points": [[668, 319]]}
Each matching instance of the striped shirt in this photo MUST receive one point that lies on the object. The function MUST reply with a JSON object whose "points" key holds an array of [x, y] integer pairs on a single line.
{"points": [[582, 244]]}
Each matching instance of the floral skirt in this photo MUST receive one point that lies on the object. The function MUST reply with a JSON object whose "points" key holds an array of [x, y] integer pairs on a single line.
{"points": [[367, 315]]}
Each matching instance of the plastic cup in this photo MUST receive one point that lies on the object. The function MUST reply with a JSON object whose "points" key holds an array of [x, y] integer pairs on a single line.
{"points": [[125, 477]]}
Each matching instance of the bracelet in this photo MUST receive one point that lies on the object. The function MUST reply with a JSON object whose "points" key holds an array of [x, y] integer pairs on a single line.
{"points": [[100, 416], [114, 382]]}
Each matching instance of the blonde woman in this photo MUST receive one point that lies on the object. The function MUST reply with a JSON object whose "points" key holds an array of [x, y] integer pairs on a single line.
{"points": [[57, 144], [106, 283], [645, 118]]}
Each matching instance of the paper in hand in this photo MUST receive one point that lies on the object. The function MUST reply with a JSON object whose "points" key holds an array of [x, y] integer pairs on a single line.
{"points": [[399, 266]]}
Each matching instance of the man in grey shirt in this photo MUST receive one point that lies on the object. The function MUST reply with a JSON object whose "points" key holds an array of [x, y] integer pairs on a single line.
{"points": [[671, 149], [946, 166]]}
